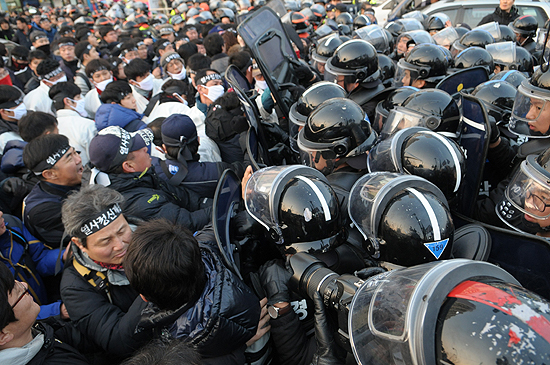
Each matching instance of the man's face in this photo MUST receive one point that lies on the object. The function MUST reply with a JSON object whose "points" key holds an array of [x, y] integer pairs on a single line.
{"points": [[67, 53], [102, 75], [45, 24], [141, 159], [41, 42], [36, 19], [542, 110], [68, 169], [192, 34], [108, 245], [170, 37], [21, 25], [93, 54], [201, 49], [174, 66], [402, 45], [25, 309], [5, 26], [92, 39], [111, 37], [34, 63], [142, 52], [130, 56], [406, 80], [2, 224], [506, 5], [129, 101], [537, 201]]}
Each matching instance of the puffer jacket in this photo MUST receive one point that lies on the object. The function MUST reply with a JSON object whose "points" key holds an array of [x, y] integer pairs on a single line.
{"points": [[114, 114], [220, 322], [500, 16], [12, 159]]}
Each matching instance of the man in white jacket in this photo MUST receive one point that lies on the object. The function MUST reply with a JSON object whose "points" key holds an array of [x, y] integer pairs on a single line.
{"points": [[144, 84], [100, 74], [50, 74]]}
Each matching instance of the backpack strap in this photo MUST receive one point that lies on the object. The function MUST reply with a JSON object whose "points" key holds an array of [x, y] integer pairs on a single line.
{"points": [[86, 80], [96, 279], [176, 179]]}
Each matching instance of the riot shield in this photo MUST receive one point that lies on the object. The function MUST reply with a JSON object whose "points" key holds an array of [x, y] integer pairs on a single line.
{"points": [[226, 204], [463, 80], [239, 83], [475, 144], [255, 151], [278, 7], [265, 35]]}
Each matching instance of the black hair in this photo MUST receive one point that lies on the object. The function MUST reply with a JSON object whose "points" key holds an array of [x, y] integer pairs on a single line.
{"points": [[35, 124], [63, 90], [241, 60], [175, 352], [82, 48], [94, 65], [164, 264], [186, 50], [115, 62], [9, 93], [175, 86], [213, 44], [22, 19], [193, 147], [105, 29], [82, 33], [136, 68], [20, 52], [40, 148], [66, 30], [156, 126], [46, 66], [205, 29], [198, 62], [7, 283], [115, 92], [67, 40], [37, 55]]}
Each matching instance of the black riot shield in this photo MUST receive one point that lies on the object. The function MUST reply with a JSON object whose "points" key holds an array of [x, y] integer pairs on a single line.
{"points": [[256, 152], [265, 35], [278, 7], [474, 142], [525, 256], [226, 203], [463, 80]]}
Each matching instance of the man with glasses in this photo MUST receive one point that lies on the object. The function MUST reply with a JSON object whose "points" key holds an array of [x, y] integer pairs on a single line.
{"points": [[22, 339]]}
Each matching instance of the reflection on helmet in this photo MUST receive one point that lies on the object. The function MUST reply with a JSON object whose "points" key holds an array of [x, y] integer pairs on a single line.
{"points": [[526, 26], [437, 21], [508, 56], [498, 97], [493, 28], [425, 62], [471, 313], [297, 206], [421, 152], [396, 97], [336, 130], [375, 35], [513, 77], [474, 38], [475, 56], [404, 219]]}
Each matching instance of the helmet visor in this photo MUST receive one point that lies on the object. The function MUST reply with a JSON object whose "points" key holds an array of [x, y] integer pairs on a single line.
{"points": [[445, 37], [336, 74], [382, 157], [411, 24], [529, 192], [405, 74], [503, 53], [456, 48], [380, 117], [373, 34], [492, 28], [401, 118], [531, 112]]}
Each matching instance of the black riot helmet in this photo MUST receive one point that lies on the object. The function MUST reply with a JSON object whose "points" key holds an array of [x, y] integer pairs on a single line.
{"points": [[325, 49], [334, 131], [513, 77], [319, 13], [421, 152], [425, 62], [395, 98], [377, 36], [345, 19], [472, 312], [526, 26], [387, 67], [498, 97], [509, 56], [436, 22], [299, 22], [430, 108], [506, 34], [474, 56], [298, 207], [404, 219], [474, 38], [361, 21], [357, 61]]}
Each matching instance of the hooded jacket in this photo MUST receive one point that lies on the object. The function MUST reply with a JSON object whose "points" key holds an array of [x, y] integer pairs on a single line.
{"points": [[220, 322], [500, 16], [117, 115]]}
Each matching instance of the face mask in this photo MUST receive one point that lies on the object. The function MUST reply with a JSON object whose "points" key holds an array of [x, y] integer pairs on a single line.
{"points": [[6, 59], [62, 79], [45, 48], [179, 76], [79, 108], [214, 92], [180, 98], [147, 83], [19, 66], [19, 112], [103, 84], [262, 85], [6, 80]]}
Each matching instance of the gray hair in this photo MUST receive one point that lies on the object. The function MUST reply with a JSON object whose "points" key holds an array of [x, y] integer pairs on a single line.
{"points": [[84, 205]]}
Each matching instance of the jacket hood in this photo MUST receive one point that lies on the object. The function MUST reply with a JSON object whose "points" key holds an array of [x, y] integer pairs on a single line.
{"points": [[115, 114]]}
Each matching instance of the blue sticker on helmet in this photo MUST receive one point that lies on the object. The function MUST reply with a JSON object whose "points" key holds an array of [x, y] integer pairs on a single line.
{"points": [[437, 248]]}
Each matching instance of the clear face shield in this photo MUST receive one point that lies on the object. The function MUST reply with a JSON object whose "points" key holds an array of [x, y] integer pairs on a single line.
{"points": [[380, 117], [406, 74], [493, 28], [337, 75], [504, 54], [297, 122], [529, 192], [401, 118], [456, 48], [531, 112], [543, 44], [446, 37], [373, 34]]}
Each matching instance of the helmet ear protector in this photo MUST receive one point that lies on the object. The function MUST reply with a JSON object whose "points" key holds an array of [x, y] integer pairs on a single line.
{"points": [[432, 122], [341, 147]]}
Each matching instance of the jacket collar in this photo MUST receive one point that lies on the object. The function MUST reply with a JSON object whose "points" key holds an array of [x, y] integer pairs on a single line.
{"points": [[23, 355], [115, 277]]}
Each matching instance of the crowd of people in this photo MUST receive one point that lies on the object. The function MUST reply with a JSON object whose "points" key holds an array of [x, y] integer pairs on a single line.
{"points": [[117, 123]]}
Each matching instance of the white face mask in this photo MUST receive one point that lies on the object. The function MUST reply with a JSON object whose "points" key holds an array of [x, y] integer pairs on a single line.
{"points": [[62, 79], [214, 92], [79, 108], [103, 84], [147, 83], [262, 85], [179, 76], [19, 112]]}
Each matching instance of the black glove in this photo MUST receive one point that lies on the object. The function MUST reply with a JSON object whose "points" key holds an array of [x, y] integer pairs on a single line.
{"points": [[494, 133], [296, 92], [367, 272], [239, 124], [14, 186], [243, 225], [328, 352], [274, 278], [303, 73]]}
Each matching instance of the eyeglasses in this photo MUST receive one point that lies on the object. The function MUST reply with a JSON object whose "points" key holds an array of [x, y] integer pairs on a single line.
{"points": [[21, 296], [536, 201]]}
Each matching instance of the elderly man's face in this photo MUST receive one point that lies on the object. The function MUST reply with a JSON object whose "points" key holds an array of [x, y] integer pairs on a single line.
{"points": [[108, 245]]}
